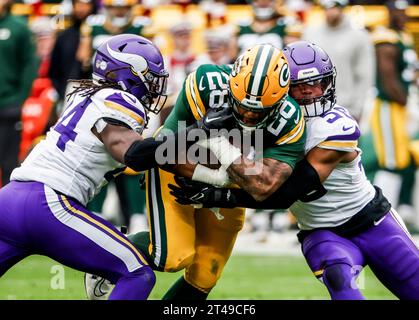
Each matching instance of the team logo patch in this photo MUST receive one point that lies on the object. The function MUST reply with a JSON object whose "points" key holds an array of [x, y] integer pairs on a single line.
{"points": [[284, 75]]}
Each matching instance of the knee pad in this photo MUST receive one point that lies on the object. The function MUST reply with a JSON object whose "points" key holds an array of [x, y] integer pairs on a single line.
{"points": [[205, 271], [145, 275], [339, 276]]}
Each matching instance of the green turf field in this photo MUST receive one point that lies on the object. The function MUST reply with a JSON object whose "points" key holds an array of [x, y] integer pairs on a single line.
{"points": [[245, 277]]}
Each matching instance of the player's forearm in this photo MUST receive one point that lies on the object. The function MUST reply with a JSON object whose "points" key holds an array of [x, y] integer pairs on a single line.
{"points": [[184, 170], [257, 178]]}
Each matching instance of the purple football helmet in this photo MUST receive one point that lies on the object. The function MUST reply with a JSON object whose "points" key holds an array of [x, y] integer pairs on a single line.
{"points": [[310, 65], [136, 65]]}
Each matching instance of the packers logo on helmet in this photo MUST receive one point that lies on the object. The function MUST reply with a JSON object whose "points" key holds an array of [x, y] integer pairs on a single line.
{"points": [[258, 84]]}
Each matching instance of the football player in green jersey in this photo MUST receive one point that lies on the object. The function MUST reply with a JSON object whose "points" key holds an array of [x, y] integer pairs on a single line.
{"points": [[118, 18], [267, 26], [254, 94], [395, 72]]}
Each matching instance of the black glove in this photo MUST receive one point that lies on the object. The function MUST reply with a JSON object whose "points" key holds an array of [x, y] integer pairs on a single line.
{"points": [[217, 118], [193, 192]]}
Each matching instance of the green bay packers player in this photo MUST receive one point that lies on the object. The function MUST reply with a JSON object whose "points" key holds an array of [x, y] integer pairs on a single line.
{"points": [[395, 72], [255, 91], [267, 26], [118, 18]]}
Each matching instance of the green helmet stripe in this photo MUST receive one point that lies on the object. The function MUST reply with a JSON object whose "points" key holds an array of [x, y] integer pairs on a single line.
{"points": [[259, 70], [252, 74], [265, 70]]}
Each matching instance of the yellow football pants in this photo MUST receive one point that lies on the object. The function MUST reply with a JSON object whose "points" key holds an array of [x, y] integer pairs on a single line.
{"points": [[391, 140], [186, 238]]}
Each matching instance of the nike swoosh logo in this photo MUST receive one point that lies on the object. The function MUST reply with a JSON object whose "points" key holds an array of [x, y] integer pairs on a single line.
{"points": [[212, 119], [297, 120], [346, 129], [200, 86], [376, 223]]}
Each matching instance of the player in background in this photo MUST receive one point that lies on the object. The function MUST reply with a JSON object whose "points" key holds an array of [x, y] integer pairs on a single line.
{"points": [[345, 222], [267, 26], [395, 57], [44, 206], [254, 94]]}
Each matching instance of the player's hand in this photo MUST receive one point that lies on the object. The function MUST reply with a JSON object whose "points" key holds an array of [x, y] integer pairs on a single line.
{"points": [[195, 193], [217, 118]]}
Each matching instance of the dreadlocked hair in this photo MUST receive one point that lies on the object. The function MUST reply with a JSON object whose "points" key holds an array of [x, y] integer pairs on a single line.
{"points": [[88, 87]]}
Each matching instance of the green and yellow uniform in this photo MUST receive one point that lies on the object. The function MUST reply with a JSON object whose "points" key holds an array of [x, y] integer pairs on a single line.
{"points": [[99, 28], [195, 239], [389, 120], [247, 37]]}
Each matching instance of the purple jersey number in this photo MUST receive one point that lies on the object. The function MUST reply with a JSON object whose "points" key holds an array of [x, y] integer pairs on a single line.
{"points": [[336, 115], [66, 131]]}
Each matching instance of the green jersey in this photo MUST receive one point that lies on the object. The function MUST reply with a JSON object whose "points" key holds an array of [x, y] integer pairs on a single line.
{"points": [[18, 61], [406, 57], [97, 28], [207, 87], [247, 37]]}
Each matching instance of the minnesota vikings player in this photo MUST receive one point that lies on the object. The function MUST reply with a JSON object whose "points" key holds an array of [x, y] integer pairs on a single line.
{"points": [[347, 223], [43, 207]]}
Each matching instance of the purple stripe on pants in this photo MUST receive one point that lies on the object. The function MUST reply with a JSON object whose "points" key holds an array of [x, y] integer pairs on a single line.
{"points": [[385, 247], [28, 226]]}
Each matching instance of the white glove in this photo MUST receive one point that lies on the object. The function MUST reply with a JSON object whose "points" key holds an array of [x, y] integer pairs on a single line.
{"points": [[225, 152], [216, 177]]}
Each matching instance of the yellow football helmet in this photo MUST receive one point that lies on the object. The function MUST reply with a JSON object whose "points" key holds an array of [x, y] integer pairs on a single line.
{"points": [[258, 85]]}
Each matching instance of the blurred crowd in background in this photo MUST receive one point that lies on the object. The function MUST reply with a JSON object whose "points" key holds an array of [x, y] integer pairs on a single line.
{"points": [[43, 44]]}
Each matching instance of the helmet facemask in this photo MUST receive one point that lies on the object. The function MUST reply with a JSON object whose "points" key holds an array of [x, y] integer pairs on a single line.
{"points": [[266, 113], [317, 106]]}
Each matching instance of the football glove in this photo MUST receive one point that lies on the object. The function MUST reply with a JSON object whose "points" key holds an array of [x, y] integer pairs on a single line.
{"points": [[217, 119], [199, 194]]}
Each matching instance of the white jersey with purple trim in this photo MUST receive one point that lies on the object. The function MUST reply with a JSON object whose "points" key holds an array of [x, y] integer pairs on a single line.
{"points": [[71, 159], [348, 189]]}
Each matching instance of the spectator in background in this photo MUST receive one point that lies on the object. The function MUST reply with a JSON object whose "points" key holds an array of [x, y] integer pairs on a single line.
{"points": [[37, 109], [19, 66], [395, 73], [64, 64], [352, 52], [217, 44], [179, 62]]}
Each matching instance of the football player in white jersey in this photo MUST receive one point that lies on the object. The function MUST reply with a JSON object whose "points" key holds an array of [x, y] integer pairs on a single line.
{"points": [[345, 221], [99, 134]]}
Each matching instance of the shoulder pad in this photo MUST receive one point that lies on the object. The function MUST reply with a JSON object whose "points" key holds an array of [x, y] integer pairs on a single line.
{"points": [[289, 125], [122, 106], [335, 130], [199, 85], [96, 20], [384, 35]]}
